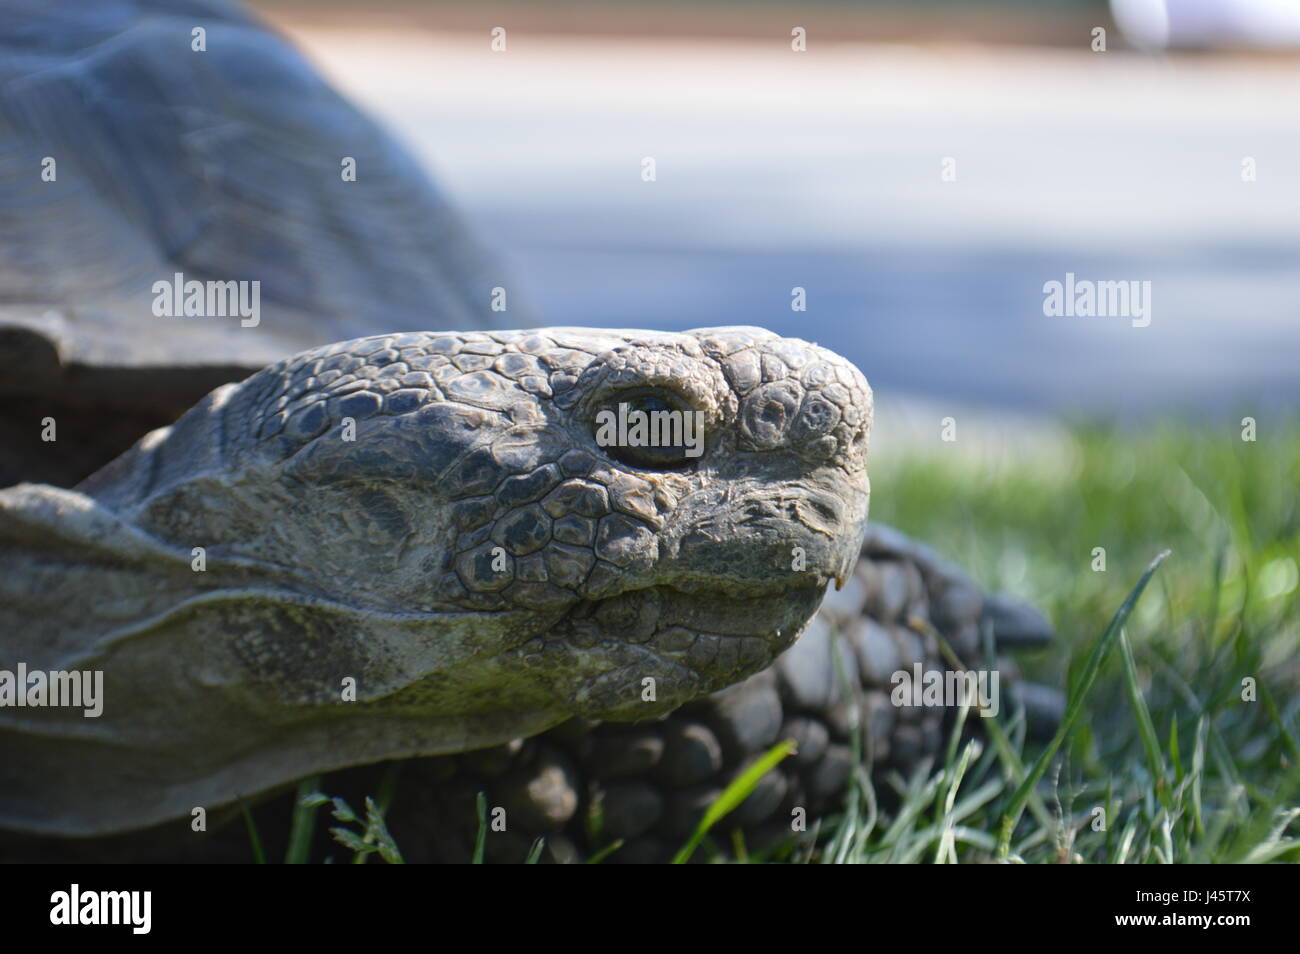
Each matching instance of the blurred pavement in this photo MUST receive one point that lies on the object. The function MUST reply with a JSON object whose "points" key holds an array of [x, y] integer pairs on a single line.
{"points": [[822, 170]]}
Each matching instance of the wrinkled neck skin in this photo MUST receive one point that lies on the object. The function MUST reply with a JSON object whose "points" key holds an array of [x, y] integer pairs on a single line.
{"points": [[266, 604], [224, 681]]}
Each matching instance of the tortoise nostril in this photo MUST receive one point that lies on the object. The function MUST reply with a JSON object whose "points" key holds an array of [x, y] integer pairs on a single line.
{"points": [[767, 413]]}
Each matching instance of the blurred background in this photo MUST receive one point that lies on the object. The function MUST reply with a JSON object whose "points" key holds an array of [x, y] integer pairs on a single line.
{"points": [[920, 169]]}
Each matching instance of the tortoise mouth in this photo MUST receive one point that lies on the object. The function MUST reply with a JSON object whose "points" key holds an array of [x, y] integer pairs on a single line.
{"points": [[723, 637], [645, 652]]}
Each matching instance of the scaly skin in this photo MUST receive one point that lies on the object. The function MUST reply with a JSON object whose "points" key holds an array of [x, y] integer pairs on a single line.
{"points": [[430, 516]]}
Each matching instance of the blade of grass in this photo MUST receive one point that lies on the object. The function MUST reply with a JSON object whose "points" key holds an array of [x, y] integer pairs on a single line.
{"points": [[303, 825], [254, 839], [738, 848], [735, 793], [1198, 773], [946, 851], [535, 852], [1146, 728], [480, 842], [1078, 692], [1175, 756]]}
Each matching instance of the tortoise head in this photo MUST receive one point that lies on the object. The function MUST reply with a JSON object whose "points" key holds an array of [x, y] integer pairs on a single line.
{"points": [[426, 543], [642, 517]]}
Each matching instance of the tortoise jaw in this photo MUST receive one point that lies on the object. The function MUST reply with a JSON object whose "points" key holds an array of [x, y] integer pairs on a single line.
{"points": [[685, 643], [640, 615]]}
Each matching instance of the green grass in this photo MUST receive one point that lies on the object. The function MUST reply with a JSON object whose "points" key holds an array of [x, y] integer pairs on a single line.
{"points": [[1165, 762], [1161, 759]]}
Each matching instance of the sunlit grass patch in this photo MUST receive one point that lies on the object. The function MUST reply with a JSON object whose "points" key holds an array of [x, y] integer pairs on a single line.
{"points": [[1186, 746]]}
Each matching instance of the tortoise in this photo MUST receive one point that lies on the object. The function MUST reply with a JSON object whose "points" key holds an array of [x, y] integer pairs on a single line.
{"points": [[409, 543]]}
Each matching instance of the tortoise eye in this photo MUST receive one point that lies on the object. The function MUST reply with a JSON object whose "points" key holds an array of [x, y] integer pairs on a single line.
{"points": [[653, 430]]}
